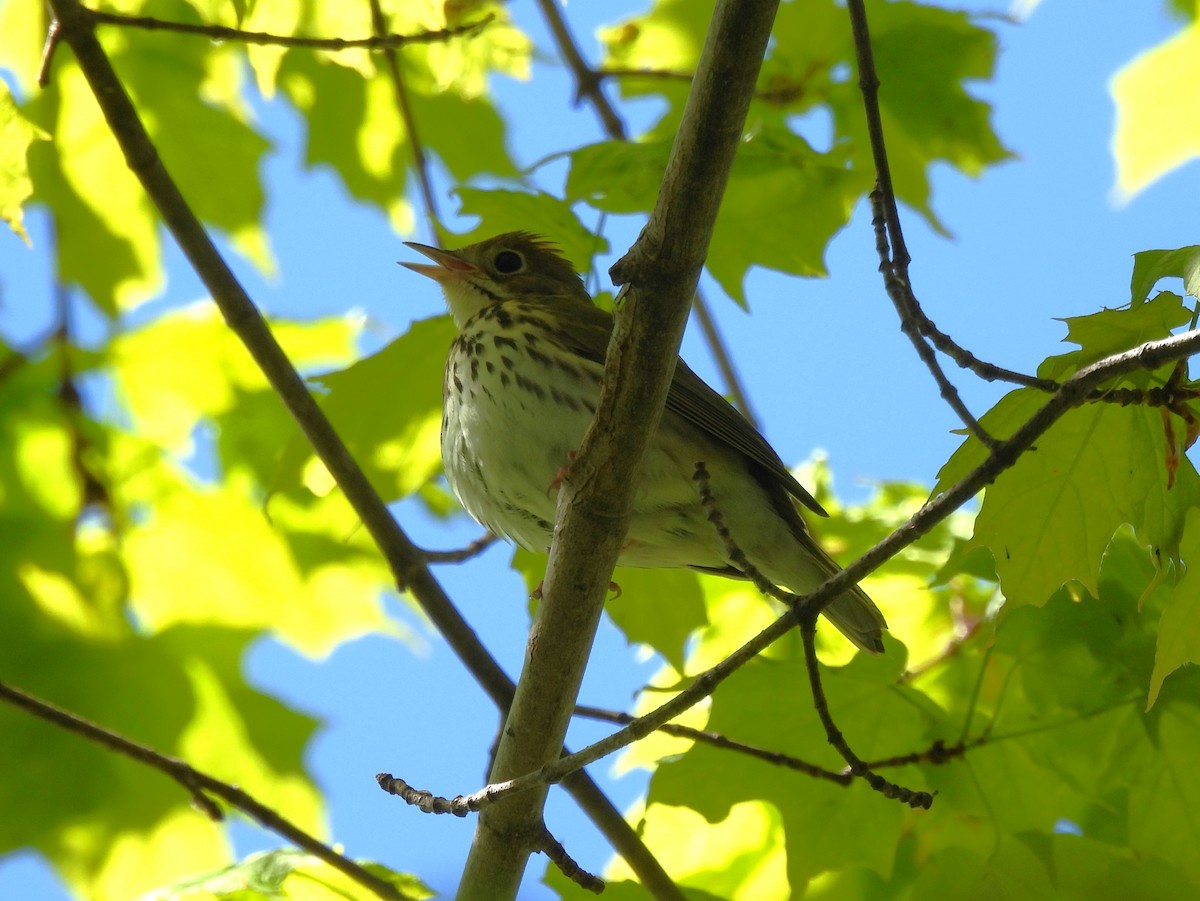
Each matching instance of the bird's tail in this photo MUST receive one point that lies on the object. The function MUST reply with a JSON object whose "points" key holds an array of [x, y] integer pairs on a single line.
{"points": [[853, 612], [857, 617]]}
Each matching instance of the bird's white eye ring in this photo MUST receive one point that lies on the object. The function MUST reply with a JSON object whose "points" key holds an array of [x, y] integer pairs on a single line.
{"points": [[508, 261]]}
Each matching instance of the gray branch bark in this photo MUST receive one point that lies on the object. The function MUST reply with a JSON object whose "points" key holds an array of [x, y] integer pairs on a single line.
{"points": [[660, 273]]}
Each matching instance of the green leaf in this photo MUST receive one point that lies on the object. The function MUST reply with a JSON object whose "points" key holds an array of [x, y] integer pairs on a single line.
{"points": [[211, 151], [1109, 332], [1043, 518], [288, 874], [445, 117], [1155, 83], [783, 205], [16, 135], [108, 233], [618, 176], [925, 57], [166, 400], [387, 408], [660, 608], [1149, 266], [352, 127], [767, 704], [1179, 630], [543, 214]]}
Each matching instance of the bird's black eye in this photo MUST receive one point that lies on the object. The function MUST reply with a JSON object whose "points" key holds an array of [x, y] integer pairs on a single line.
{"points": [[507, 262]]}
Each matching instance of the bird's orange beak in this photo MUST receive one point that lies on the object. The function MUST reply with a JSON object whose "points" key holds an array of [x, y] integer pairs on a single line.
{"points": [[450, 267]]}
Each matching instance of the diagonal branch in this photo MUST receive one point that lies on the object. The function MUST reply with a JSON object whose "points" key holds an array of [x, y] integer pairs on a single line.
{"points": [[201, 786], [400, 89], [75, 27], [588, 85], [226, 33], [889, 241], [595, 502], [1073, 392]]}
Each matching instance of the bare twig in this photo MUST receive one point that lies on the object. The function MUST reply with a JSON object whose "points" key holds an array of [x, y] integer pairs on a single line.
{"points": [[53, 36], [732, 549], [807, 615], [859, 767], [717, 740], [552, 848], [1072, 393], [425, 801], [93, 487], [587, 80], [587, 85], [200, 786], [461, 805], [474, 549], [722, 357], [404, 559], [898, 290], [226, 33], [894, 261], [420, 163], [889, 242]]}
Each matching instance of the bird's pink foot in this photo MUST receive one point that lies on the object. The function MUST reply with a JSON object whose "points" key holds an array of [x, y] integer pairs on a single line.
{"points": [[563, 470]]}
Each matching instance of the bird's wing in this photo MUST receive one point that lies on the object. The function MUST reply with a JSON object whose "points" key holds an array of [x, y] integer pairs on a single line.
{"points": [[691, 398], [699, 404]]}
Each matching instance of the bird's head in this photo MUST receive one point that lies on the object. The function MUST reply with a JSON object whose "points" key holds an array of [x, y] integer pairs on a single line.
{"points": [[511, 266]]}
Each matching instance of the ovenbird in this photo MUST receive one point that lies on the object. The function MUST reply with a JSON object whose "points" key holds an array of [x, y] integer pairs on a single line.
{"points": [[521, 385]]}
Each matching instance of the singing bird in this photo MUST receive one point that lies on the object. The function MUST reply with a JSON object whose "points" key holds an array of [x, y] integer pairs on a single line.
{"points": [[521, 386]]}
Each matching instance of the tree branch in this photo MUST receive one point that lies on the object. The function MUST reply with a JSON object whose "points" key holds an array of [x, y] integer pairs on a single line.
{"points": [[200, 786], [420, 161], [75, 23], [595, 501], [587, 84], [225, 33], [894, 261], [1075, 391]]}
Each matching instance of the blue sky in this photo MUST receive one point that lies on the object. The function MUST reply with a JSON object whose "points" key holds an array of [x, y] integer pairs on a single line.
{"points": [[1034, 239]]}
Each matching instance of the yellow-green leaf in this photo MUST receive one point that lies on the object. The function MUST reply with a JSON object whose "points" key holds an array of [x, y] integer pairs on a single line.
{"points": [[1157, 87]]}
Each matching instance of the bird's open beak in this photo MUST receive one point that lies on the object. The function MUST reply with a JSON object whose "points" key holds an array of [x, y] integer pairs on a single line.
{"points": [[449, 266]]}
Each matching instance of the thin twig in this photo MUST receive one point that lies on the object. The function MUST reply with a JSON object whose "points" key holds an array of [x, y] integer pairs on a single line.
{"points": [[587, 85], [898, 290], [889, 240], [732, 549], [552, 848], [721, 356], [420, 162], [717, 740], [859, 767], [199, 785], [226, 33], [1072, 393], [244, 319], [807, 615], [53, 36], [894, 263], [587, 80], [474, 549]]}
